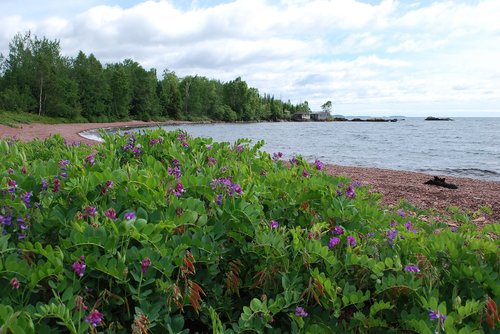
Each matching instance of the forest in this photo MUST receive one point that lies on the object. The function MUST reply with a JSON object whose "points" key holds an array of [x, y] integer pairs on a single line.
{"points": [[36, 78]]}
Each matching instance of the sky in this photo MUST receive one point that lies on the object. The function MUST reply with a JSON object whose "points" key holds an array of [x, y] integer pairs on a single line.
{"points": [[368, 57]]}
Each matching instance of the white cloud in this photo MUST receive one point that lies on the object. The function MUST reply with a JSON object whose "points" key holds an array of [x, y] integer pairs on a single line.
{"points": [[346, 51]]}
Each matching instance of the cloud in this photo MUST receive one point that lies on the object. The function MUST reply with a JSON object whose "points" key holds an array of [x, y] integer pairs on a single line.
{"points": [[346, 51]]}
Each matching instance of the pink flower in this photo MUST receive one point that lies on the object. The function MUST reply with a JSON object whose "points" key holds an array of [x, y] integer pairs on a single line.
{"points": [[14, 282], [110, 213], [319, 165], [94, 318], [145, 263], [79, 266], [351, 241]]}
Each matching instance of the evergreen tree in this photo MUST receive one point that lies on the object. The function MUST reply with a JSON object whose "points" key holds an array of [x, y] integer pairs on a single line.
{"points": [[93, 88], [169, 95], [120, 91]]}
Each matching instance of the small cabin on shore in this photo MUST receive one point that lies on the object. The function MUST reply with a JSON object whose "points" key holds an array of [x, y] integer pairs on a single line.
{"points": [[301, 117], [319, 116]]}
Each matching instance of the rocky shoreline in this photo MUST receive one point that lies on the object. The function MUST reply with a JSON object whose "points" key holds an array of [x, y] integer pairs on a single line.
{"points": [[471, 195]]}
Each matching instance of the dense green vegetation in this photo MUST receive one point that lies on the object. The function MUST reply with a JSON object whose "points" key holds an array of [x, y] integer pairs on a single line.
{"points": [[164, 233], [36, 78]]}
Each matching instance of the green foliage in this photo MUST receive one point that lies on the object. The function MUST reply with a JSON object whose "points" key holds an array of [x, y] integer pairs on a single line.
{"points": [[164, 233], [37, 79]]}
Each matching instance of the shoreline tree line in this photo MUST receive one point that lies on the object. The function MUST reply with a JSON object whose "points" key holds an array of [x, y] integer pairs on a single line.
{"points": [[36, 78]]}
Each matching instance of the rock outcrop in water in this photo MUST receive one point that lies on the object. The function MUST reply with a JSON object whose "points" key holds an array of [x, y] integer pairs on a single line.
{"points": [[431, 118], [441, 182]]}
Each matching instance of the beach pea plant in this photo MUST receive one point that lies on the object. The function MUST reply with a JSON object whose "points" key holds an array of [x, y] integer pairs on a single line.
{"points": [[160, 232]]}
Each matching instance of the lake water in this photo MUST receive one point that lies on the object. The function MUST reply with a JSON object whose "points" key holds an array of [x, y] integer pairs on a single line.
{"points": [[467, 147]]}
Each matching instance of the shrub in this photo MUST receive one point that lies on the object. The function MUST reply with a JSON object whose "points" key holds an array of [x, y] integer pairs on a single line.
{"points": [[163, 233]]}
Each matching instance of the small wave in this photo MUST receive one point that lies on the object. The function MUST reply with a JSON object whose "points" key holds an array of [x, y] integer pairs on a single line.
{"points": [[474, 171], [92, 135], [484, 174]]}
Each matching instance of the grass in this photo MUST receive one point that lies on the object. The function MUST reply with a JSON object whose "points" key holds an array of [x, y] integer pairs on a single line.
{"points": [[13, 119]]}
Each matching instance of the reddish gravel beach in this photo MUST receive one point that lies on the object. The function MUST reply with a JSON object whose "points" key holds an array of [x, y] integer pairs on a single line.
{"points": [[472, 194]]}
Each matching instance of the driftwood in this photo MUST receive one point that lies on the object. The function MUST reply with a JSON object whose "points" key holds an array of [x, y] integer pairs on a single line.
{"points": [[440, 182]]}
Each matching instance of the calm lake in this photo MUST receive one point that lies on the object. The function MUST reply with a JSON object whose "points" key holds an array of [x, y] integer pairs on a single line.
{"points": [[467, 147]]}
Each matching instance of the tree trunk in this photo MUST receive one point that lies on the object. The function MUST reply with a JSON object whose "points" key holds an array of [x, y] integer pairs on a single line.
{"points": [[40, 97]]}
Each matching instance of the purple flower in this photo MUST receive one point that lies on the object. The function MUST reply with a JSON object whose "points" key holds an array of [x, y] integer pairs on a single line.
{"points": [[401, 213], [145, 263], [179, 189], [94, 318], [274, 224], [391, 235], [436, 315], [10, 171], [211, 161], [305, 173], [129, 215], [56, 185], [277, 156], [338, 230], [64, 163], [176, 171], [218, 199], [12, 184], [156, 141], [350, 193], [453, 229], [294, 161], [409, 226], [45, 184], [137, 150], [21, 223], [236, 187], [239, 148], [412, 269], [26, 197], [79, 266], [319, 165], [107, 186], [110, 213], [6, 220], [351, 241], [301, 312], [90, 159], [333, 242], [208, 147], [14, 282], [231, 188], [90, 211]]}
